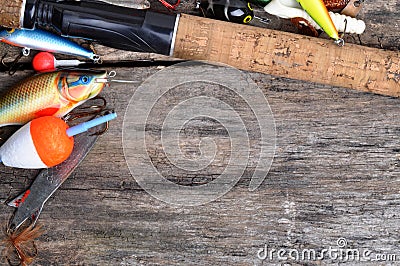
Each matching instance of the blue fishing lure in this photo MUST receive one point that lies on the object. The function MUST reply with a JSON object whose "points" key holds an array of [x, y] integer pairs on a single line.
{"points": [[41, 40]]}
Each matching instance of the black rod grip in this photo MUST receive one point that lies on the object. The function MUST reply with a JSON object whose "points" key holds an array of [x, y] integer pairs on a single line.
{"points": [[111, 25]]}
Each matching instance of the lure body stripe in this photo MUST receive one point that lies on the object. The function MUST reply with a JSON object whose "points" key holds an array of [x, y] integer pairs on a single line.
{"points": [[318, 11], [41, 40]]}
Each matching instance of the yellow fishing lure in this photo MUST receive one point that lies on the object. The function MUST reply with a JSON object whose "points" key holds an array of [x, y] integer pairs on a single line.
{"points": [[318, 11]]}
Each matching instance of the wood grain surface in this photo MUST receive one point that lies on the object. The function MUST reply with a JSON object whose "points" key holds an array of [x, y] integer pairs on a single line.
{"points": [[335, 175]]}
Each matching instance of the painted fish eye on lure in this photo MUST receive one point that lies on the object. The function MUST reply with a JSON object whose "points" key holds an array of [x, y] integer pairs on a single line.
{"points": [[75, 86], [6, 32], [85, 79], [240, 15]]}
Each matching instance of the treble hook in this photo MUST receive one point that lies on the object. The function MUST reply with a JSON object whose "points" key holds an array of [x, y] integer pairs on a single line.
{"points": [[2, 60], [106, 125], [13, 66], [80, 112], [91, 112]]}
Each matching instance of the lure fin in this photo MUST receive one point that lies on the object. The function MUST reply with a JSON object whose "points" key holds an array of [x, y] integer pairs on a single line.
{"points": [[47, 112]]}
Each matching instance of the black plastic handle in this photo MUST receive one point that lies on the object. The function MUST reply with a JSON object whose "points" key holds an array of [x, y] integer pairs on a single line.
{"points": [[111, 25]]}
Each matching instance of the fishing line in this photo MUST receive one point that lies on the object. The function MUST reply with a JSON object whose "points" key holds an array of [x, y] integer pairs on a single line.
{"points": [[109, 64]]}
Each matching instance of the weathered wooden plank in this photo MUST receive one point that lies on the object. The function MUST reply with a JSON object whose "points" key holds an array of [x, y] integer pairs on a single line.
{"points": [[335, 174]]}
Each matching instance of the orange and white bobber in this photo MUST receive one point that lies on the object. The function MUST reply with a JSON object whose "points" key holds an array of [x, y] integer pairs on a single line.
{"points": [[44, 142]]}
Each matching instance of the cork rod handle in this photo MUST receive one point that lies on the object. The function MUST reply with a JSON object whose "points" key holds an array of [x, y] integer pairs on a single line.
{"points": [[11, 13], [289, 55]]}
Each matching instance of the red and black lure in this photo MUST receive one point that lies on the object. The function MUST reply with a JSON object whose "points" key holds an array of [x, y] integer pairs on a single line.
{"points": [[237, 11]]}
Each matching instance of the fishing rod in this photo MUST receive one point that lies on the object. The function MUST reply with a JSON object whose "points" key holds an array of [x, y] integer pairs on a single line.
{"points": [[194, 38], [115, 26]]}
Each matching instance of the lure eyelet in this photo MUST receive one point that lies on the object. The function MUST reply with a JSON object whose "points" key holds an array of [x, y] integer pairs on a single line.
{"points": [[339, 42], [97, 59], [26, 51]]}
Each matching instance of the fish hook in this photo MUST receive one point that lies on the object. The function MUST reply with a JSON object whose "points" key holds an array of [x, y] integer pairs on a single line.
{"points": [[106, 125], [352, 38], [359, 40], [96, 110], [340, 41], [88, 111], [12, 67], [2, 60], [380, 42]]}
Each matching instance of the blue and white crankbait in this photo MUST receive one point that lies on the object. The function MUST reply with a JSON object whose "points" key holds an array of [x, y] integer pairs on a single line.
{"points": [[41, 40]]}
